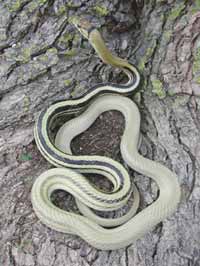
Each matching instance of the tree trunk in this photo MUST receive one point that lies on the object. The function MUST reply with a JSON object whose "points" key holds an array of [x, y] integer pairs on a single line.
{"points": [[43, 59]]}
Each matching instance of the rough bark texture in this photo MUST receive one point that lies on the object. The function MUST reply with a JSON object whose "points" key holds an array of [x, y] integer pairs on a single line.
{"points": [[42, 59]]}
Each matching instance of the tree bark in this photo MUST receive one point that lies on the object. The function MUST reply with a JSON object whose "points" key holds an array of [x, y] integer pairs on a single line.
{"points": [[43, 59]]}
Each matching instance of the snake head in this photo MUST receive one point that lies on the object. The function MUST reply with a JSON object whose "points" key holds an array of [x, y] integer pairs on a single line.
{"points": [[83, 26]]}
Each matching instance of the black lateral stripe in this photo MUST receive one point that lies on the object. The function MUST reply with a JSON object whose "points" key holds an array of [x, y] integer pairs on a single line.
{"points": [[75, 162], [95, 87], [95, 163]]}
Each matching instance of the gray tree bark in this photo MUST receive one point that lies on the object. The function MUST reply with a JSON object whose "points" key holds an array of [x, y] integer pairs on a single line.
{"points": [[42, 59]]}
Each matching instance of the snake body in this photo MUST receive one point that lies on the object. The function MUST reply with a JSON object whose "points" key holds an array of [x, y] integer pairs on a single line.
{"points": [[81, 113]]}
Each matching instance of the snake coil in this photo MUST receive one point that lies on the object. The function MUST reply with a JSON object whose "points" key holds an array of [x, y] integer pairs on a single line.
{"points": [[68, 174]]}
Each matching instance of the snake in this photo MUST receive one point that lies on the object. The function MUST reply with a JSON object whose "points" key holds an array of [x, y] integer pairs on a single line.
{"points": [[55, 128]]}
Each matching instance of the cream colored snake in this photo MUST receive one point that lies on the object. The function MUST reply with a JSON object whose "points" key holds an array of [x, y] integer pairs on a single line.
{"points": [[80, 113]]}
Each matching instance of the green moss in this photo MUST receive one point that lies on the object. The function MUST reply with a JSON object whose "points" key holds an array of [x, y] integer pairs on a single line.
{"points": [[62, 10], [74, 19], [137, 97], [146, 57], [15, 6], [32, 6], [197, 79], [180, 100], [26, 103], [196, 6], [175, 12], [48, 56], [52, 50], [41, 2], [197, 3], [70, 4], [101, 11], [66, 38], [67, 82], [141, 65], [171, 92], [196, 62], [25, 157], [167, 35], [76, 90], [71, 52], [26, 54], [43, 58], [158, 88], [149, 51]]}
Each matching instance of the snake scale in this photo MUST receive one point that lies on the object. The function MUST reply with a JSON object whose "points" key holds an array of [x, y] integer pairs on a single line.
{"points": [[79, 114]]}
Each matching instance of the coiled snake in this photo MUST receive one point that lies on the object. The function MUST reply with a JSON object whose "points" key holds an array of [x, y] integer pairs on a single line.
{"points": [[69, 168]]}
